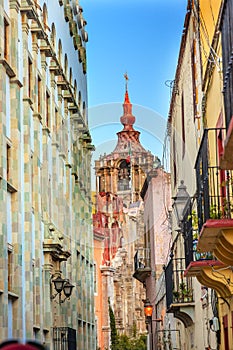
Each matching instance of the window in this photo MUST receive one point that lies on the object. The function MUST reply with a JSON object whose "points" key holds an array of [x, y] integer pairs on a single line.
{"points": [[124, 176], [8, 108], [79, 99], [6, 39], [39, 94], [71, 77], [183, 126], [194, 79], [64, 338], [222, 173], [174, 159], [84, 111], [66, 65], [9, 171], [47, 109], [8, 162], [53, 36], [10, 263], [75, 88], [29, 77], [56, 123]]}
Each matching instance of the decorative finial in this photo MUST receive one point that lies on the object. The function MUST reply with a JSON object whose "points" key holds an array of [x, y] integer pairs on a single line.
{"points": [[126, 81]]}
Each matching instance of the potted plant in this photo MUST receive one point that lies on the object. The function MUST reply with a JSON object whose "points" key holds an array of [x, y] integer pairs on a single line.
{"points": [[176, 295], [186, 293]]}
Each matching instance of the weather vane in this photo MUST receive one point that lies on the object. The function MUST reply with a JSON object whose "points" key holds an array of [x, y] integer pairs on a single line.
{"points": [[126, 81]]}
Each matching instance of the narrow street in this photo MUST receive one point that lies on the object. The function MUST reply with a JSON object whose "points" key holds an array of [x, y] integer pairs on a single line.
{"points": [[116, 217]]}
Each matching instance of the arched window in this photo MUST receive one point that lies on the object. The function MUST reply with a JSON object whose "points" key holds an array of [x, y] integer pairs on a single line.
{"points": [[60, 51], [124, 176], [66, 64], [45, 17], [53, 36], [70, 77], [75, 89], [84, 110], [79, 99]]}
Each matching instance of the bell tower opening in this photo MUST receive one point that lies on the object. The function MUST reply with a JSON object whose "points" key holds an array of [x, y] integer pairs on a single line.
{"points": [[124, 176]]}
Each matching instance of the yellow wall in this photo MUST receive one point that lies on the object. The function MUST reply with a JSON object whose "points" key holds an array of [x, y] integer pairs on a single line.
{"points": [[209, 11]]}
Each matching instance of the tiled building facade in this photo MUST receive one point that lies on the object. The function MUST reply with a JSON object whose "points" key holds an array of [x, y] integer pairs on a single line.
{"points": [[45, 175]]}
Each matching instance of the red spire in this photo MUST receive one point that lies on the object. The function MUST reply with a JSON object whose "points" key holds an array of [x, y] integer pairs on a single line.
{"points": [[127, 97], [127, 119], [128, 138]]}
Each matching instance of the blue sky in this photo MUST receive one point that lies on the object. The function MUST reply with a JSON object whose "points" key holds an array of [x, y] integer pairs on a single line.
{"points": [[142, 38]]}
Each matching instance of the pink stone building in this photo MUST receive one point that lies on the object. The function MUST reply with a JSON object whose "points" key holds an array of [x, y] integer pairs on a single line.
{"points": [[119, 216], [152, 257]]}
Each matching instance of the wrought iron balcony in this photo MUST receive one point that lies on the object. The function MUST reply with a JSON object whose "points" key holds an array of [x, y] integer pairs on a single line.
{"points": [[168, 339], [64, 338], [214, 185], [178, 287], [214, 198], [179, 290], [142, 268], [190, 234]]}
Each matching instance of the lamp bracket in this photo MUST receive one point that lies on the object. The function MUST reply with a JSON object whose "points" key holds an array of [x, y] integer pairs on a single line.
{"points": [[60, 285]]}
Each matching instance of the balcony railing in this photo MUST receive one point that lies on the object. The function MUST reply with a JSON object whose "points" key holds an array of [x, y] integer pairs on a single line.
{"points": [[213, 200], [64, 338], [191, 234], [142, 268], [214, 185], [168, 339], [178, 287]]}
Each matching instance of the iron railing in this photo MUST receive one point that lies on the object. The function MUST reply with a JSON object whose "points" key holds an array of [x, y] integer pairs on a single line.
{"points": [[64, 338], [214, 185], [190, 233], [214, 195], [168, 339], [178, 287], [142, 258]]}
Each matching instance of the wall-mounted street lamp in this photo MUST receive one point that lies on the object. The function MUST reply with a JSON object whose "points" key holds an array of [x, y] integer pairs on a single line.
{"points": [[148, 310], [180, 203], [62, 285]]}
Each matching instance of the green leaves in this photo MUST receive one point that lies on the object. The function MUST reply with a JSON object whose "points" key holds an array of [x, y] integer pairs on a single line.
{"points": [[123, 342]]}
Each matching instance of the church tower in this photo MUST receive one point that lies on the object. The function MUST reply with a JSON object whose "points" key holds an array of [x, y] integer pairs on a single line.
{"points": [[119, 228], [123, 170]]}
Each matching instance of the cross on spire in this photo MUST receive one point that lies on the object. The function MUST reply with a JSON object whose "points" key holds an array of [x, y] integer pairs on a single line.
{"points": [[126, 81]]}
